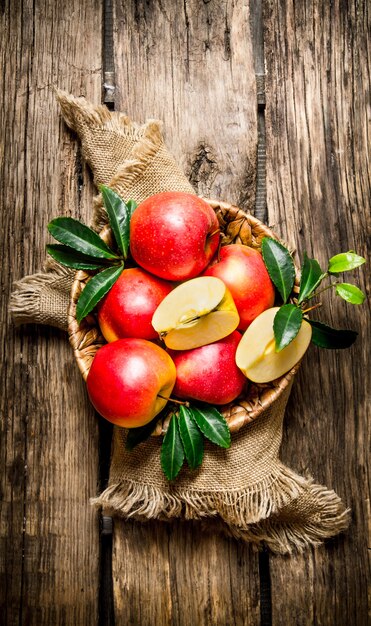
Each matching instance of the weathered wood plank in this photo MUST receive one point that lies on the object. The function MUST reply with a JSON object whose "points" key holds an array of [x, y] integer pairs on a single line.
{"points": [[317, 116], [176, 575], [191, 66], [49, 452]]}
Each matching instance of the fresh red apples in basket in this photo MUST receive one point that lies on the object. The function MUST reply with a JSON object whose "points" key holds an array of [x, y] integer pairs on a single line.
{"points": [[201, 307]]}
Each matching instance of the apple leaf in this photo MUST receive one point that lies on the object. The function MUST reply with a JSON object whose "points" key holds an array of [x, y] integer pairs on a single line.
{"points": [[132, 205], [286, 325], [311, 276], [71, 258], [193, 441], [76, 235], [172, 452], [212, 424], [280, 266], [95, 289], [119, 215], [332, 338], [138, 435], [350, 293], [344, 262]]}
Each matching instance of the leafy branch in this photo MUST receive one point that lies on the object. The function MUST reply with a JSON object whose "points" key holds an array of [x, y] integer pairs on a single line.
{"points": [[289, 317], [81, 248], [184, 438]]}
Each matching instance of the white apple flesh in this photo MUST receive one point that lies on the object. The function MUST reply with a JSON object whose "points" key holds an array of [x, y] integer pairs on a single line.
{"points": [[256, 355], [197, 312]]}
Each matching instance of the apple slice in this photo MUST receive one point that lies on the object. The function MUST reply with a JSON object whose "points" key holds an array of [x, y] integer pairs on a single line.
{"points": [[256, 355], [197, 312]]}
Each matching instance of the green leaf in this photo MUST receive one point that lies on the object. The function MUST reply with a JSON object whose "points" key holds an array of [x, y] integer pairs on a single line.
{"points": [[350, 293], [119, 215], [332, 338], [344, 262], [76, 235], [71, 258], [172, 453], [212, 424], [132, 205], [286, 325], [95, 289], [280, 266], [193, 441], [142, 433], [311, 276]]}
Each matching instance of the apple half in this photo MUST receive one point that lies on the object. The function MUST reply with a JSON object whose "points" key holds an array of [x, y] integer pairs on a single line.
{"points": [[197, 312], [256, 353]]}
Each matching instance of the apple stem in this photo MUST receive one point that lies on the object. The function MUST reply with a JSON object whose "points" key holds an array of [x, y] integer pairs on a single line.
{"points": [[185, 403], [311, 308], [317, 293]]}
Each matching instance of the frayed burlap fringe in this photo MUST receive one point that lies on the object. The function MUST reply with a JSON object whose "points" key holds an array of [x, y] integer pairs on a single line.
{"points": [[42, 298], [316, 515], [276, 512], [80, 114], [131, 158], [235, 506]]}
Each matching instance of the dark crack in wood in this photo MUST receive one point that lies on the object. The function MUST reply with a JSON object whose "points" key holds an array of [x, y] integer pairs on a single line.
{"points": [[108, 56]]}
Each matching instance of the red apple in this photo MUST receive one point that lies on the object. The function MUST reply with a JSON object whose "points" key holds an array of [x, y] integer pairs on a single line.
{"points": [[130, 381], [209, 373], [242, 269], [174, 235], [127, 309]]}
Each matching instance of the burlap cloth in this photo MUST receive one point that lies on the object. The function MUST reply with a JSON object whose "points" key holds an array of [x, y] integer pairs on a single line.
{"points": [[245, 491]]}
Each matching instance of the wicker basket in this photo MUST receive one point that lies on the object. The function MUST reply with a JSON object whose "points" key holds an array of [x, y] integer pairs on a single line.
{"points": [[86, 338]]}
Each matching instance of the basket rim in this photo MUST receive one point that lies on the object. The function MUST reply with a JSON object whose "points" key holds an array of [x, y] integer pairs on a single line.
{"points": [[85, 339]]}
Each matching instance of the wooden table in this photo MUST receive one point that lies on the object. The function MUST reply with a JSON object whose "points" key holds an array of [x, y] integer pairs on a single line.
{"points": [[294, 152]]}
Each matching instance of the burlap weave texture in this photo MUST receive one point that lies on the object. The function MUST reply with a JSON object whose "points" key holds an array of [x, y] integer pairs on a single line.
{"points": [[245, 491], [239, 484]]}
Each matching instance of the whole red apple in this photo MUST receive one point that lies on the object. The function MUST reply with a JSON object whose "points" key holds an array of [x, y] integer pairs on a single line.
{"points": [[128, 308], [130, 381], [242, 269], [209, 373], [174, 235]]}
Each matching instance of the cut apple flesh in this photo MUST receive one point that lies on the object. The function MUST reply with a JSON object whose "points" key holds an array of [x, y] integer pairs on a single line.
{"points": [[256, 355], [209, 328], [197, 312]]}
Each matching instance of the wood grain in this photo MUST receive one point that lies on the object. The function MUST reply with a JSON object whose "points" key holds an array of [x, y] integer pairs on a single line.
{"points": [[174, 574], [318, 131], [49, 460], [191, 66]]}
